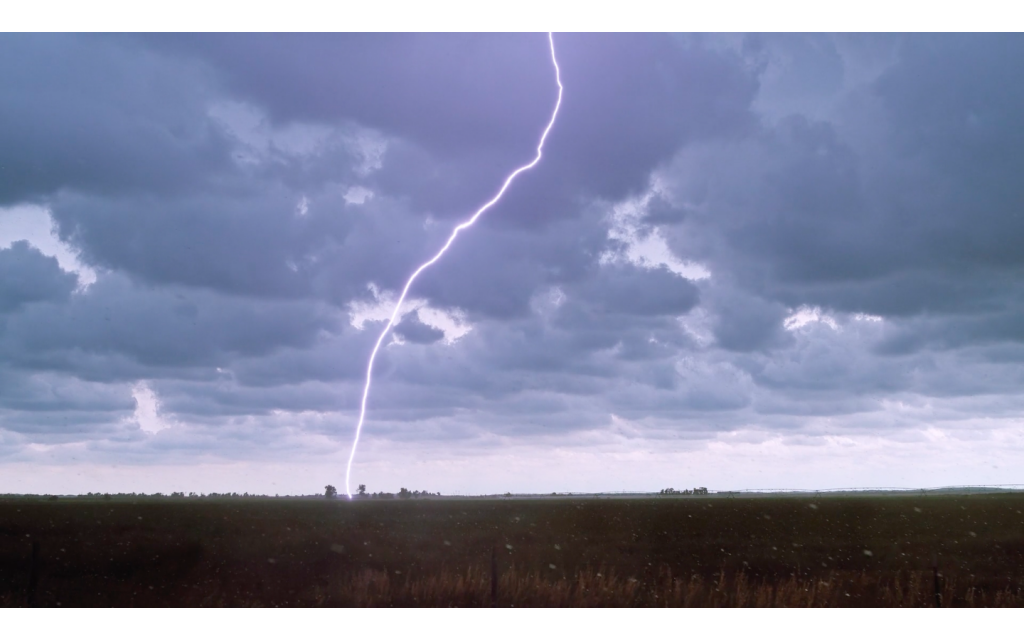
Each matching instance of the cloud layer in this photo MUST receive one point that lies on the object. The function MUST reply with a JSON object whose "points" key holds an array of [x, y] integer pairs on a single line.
{"points": [[735, 248]]}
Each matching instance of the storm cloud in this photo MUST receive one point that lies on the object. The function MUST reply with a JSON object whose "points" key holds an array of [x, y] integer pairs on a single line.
{"points": [[746, 243]]}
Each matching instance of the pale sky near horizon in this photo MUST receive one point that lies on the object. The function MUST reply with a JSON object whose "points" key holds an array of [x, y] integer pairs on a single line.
{"points": [[745, 261]]}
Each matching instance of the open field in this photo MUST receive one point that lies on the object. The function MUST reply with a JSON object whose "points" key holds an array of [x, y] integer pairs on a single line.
{"points": [[679, 551]]}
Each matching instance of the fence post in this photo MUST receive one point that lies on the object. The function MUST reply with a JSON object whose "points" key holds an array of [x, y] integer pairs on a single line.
{"points": [[494, 576], [33, 575]]}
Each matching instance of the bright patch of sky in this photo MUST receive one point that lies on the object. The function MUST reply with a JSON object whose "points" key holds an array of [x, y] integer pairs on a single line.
{"points": [[147, 410], [34, 224], [357, 195], [450, 321], [806, 315], [645, 247]]}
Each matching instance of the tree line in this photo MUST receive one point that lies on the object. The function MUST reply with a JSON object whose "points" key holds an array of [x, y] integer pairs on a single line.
{"points": [[696, 491], [331, 492]]}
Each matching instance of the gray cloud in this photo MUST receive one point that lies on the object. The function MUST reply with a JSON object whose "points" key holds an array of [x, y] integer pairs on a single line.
{"points": [[119, 331], [855, 199], [415, 331], [27, 276], [87, 112]]}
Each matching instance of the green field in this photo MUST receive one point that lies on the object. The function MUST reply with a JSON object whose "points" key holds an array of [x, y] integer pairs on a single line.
{"points": [[690, 550]]}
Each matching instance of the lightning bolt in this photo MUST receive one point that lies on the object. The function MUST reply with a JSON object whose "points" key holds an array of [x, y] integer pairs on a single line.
{"points": [[455, 232]]}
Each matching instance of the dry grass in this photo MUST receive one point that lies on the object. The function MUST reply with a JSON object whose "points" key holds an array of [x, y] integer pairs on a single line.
{"points": [[471, 588]]}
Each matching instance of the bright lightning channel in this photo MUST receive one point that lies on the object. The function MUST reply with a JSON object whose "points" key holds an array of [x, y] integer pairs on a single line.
{"points": [[451, 239]]}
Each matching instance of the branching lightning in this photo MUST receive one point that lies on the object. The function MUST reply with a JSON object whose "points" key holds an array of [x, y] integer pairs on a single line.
{"points": [[451, 239]]}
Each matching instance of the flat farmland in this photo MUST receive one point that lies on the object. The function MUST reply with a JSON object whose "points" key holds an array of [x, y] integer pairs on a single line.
{"points": [[878, 550]]}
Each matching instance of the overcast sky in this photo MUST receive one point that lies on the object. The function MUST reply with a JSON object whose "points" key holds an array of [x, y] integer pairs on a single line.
{"points": [[745, 261]]}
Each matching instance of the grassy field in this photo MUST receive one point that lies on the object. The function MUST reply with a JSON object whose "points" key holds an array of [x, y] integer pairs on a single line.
{"points": [[669, 551]]}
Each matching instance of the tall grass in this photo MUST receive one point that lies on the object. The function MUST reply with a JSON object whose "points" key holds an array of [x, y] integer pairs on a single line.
{"points": [[592, 588]]}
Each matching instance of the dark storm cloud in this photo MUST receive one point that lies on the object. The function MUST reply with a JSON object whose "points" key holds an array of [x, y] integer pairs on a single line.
{"points": [[832, 363], [250, 242], [901, 204], [496, 271], [747, 323], [945, 332], [46, 392], [236, 193], [50, 407], [631, 102], [472, 106], [467, 105], [119, 330], [235, 230], [27, 276], [452, 90], [637, 291], [662, 212], [87, 112], [414, 331], [788, 199]]}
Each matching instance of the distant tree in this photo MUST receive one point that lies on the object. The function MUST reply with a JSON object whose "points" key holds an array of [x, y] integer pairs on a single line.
{"points": [[330, 491], [361, 490], [404, 493]]}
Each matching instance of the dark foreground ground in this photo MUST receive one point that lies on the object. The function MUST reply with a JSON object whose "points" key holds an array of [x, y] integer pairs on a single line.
{"points": [[675, 551]]}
